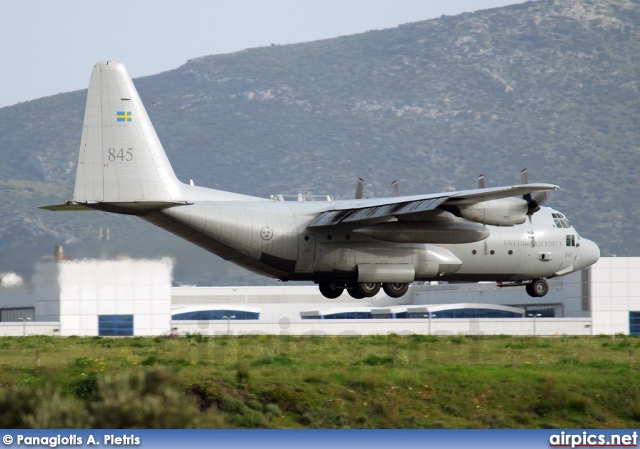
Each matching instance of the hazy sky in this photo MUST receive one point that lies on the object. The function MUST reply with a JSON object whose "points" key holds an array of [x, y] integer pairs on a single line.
{"points": [[50, 46]]}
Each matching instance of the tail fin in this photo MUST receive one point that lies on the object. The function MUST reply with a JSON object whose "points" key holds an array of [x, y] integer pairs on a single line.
{"points": [[121, 158]]}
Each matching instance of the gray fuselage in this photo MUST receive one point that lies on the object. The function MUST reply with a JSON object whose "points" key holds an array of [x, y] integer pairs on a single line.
{"points": [[272, 238]]}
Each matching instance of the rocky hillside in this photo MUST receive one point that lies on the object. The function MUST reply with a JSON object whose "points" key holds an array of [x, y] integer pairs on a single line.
{"points": [[548, 85]]}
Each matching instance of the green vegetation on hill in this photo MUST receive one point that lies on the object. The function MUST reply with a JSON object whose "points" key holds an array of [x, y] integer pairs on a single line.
{"points": [[548, 85], [265, 381]]}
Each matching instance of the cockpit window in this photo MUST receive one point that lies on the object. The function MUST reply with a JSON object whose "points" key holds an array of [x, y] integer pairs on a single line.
{"points": [[560, 220]]}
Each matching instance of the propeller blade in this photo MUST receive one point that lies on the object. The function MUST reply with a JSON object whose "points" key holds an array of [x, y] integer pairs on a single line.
{"points": [[533, 202], [481, 184], [540, 198], [395, 189], [359, 188], [524, 176]]}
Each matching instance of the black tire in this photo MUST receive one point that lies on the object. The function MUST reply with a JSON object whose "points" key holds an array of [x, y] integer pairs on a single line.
{"points": [[395, 290], [529, 289], [330, 290], [538, 288], [355, 293], [368, 289]]}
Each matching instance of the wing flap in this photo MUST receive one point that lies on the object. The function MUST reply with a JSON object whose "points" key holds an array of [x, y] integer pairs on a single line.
{"points": [[334, 217]]}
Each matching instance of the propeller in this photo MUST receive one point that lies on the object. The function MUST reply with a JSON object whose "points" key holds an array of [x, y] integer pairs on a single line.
{"points": [[481, 184], [395, 189], [533, 201], [359, 188]]}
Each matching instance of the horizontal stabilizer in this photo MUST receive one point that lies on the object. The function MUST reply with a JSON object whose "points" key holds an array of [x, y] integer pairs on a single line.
{"points": [[68, 206], [128, 207]]}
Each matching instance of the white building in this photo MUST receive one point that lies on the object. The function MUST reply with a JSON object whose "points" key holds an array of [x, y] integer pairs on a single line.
{"points": [[90, 297], [135, 297]]}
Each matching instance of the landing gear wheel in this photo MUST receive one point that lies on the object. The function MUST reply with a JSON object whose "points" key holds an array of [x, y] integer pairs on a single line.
{"points": [[529, 290], [355, 293], [330, 290], [395, 290], [537, 288], [368, 289]]}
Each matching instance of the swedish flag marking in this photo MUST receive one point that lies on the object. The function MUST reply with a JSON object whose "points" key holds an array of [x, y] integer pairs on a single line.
{"points": [[123, 116]]}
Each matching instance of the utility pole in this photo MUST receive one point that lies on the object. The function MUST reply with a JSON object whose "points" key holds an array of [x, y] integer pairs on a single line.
{"points": [[229, 318], [534, 321]]}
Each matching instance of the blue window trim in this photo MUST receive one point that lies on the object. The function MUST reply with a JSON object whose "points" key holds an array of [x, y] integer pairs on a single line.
{"points": [[210, 315]]}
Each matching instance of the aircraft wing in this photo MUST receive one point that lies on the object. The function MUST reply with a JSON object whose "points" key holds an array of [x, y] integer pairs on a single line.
{"points": [[361, 210], [478, 195]]}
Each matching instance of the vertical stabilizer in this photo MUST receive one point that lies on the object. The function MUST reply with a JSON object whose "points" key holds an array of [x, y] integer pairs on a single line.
{"points": [[121, 158]]}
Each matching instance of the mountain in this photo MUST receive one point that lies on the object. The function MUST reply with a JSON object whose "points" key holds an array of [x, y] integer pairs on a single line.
{"points": [[548, 85]]}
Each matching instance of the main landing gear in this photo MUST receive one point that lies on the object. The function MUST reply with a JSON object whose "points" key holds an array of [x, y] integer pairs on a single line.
{"points": [[362, 290]]}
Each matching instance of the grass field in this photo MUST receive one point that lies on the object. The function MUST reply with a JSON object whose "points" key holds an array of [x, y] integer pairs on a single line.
{"points": [[320, 382]]}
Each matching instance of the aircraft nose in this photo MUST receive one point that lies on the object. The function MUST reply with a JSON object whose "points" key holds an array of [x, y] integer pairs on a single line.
{"points": [[589, 254]]}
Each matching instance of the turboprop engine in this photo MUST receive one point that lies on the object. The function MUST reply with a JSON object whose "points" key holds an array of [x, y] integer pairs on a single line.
{"points": [[502, 212]]}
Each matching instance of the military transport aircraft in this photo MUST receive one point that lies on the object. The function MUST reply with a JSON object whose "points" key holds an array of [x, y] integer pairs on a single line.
{"points": [[499, 234]]}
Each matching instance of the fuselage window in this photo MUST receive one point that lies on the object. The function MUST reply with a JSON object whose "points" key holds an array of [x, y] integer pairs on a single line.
{"points": [[571, 240]]}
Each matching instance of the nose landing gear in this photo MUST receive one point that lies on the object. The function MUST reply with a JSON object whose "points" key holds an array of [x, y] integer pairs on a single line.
{"points": [[537, 288]]}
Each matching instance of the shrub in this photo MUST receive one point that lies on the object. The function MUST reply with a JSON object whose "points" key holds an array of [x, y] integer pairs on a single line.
{"points": [[45, 408], [273, 409], [242, 373], [148, 399], [287, 398], [86, 387], [373, 359]]}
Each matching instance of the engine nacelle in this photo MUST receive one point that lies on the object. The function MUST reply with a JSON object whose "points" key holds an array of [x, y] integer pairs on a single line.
{"points": [[502, 212], [439, 232]]}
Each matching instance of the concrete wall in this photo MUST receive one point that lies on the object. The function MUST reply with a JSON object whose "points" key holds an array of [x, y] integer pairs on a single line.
{"points": [[615, 291], [455, 326], [29, 328]]}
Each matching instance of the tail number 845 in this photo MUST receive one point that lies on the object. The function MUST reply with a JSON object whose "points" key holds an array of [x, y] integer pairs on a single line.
{"points": [[123, 154]]}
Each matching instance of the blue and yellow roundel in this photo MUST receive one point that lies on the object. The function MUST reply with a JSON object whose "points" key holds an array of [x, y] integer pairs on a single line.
{"points": [[123, 116]]}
